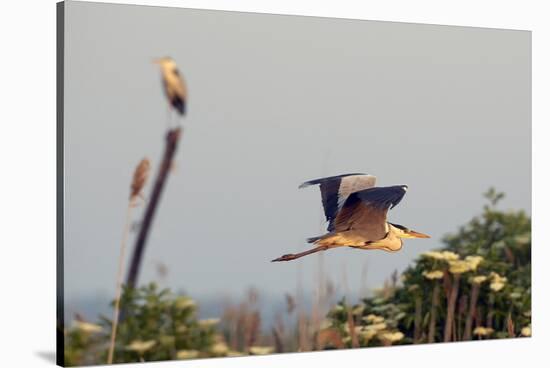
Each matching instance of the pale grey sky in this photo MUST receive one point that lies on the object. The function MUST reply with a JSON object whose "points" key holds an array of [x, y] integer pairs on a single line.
{"points": [[274, 101]]}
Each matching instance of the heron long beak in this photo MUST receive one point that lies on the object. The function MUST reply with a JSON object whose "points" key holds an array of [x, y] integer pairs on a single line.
{"points": [[414, 234], [155, 61]]}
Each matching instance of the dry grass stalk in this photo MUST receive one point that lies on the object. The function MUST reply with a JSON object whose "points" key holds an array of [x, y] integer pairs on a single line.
{"points": [[252, 320], [510, 326], [243, 322], [315, 321], [394, 279], [318, 299], [278, 338], [119, 287], [303, 340], [329, 337], [509, 255], [252, 329], [353, 334], [230, 315], [141, 173], [278, 332], [290, 303]]}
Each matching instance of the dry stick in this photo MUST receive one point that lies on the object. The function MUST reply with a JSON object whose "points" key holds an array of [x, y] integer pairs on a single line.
{"points": [[119, 284], [510, 325], [318, 304], [433, 312], [172, 139], [233, 337], [302, 332], [451, 304], [253, 329], [300, 319], [330, 336], [353, 334], [277, 336], [471, 312]]}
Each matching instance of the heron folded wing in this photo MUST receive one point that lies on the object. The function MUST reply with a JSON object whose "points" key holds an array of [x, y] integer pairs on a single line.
{"points": [[180, 87], [335, 190], [175, 88]]}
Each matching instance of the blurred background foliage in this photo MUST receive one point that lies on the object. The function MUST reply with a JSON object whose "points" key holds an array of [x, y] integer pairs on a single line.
{"points": [[477, 286]]}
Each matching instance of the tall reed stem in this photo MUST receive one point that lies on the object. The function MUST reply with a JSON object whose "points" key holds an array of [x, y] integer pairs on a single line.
{"points": [[119, 283]]}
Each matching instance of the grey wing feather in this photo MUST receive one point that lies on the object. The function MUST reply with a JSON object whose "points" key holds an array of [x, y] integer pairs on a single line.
{"points": [[327, 179]]}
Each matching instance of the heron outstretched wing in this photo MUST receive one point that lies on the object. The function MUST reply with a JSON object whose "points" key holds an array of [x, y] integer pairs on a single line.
{"points": [[336, 189], [367, 210], [382, 197]]}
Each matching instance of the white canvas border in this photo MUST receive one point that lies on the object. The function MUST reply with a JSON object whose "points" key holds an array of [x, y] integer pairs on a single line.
{"points": [[28, 159]]}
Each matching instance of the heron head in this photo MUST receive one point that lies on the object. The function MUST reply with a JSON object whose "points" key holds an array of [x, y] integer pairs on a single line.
{"points": [[406, 233], [164, 61]]}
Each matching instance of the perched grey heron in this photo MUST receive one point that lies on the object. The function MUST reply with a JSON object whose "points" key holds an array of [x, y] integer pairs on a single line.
{"points": [[174, 84], [356, 212]]}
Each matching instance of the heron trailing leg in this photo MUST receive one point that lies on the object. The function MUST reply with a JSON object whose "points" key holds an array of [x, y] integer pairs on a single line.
{"points": [[290, 257]]}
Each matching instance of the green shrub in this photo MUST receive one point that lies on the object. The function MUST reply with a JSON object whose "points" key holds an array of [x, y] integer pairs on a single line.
{"points": [[477, 286], [156, 325]]}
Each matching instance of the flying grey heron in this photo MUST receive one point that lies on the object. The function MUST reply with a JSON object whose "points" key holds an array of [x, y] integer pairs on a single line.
{"points": [[174, 84], [356, 212]]}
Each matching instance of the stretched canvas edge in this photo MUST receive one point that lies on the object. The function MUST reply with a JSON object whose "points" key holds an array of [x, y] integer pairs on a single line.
{"points": [[60, 63]]}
